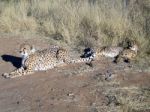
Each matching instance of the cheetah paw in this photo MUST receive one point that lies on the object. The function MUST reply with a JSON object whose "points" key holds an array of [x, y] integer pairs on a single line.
{"points": [[6, 75]]}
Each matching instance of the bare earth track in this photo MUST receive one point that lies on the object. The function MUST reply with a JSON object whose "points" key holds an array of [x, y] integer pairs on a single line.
{"points": [[106, 87]]}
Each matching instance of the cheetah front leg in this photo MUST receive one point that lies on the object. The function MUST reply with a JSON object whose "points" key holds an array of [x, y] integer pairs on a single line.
{"points": [[18, 72]]}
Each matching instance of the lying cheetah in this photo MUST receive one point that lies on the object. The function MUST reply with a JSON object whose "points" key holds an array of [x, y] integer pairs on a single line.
{"points": [[117, 52], [108, 51], [128, 54], [42, 60]]}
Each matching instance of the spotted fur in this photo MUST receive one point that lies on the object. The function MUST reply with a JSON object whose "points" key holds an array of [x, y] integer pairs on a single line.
{"points": [[42, 60], [128, 54], [109, 51]]}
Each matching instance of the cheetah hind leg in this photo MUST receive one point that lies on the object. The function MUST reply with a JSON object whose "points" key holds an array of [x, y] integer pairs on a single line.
{"points": [[18, 72]]}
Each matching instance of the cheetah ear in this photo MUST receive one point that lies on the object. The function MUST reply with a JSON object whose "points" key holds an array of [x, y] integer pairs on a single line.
{"points": [[32, 49]]}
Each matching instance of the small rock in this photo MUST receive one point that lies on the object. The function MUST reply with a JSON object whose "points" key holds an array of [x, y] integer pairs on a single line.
{"points": [[18, 102], [70, 94]]}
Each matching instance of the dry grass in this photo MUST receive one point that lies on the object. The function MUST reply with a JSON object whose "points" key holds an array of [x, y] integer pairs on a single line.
{"points": [[80, 22], [137, 100], [129, 99]]}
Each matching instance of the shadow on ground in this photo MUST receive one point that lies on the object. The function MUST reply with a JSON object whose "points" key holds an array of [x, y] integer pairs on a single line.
{"points": [[16, 61]]}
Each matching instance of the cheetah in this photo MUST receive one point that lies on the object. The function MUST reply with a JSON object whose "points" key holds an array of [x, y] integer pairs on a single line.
{"points": [[42, 60], [108, 51], [128, 54], [116, 52]]}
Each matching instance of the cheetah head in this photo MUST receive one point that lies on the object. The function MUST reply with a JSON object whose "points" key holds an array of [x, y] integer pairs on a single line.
{"points": [[62, 54], [133, 45], [26, 50], [134, 48]]}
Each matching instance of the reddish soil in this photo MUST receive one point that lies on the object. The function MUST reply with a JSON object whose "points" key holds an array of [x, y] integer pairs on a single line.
{"points": [[73, 88]]}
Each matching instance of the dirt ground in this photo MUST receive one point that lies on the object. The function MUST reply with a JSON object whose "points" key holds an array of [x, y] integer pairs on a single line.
{"points": [[105, 87]]}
